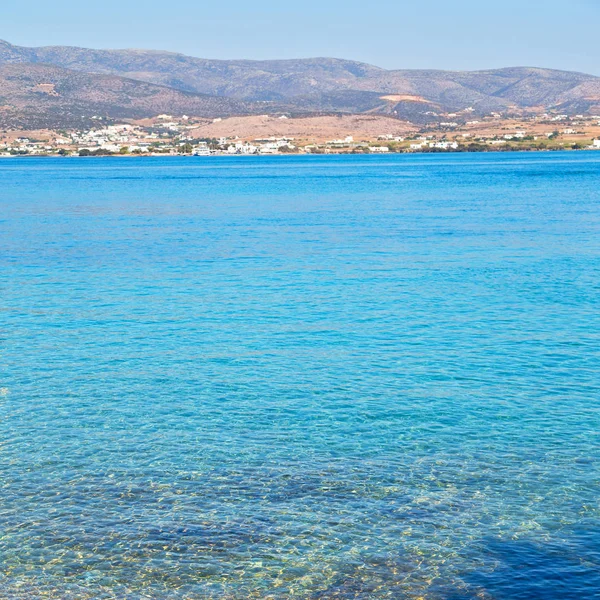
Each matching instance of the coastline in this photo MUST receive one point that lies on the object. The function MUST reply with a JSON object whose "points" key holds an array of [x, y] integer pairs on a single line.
{"points": [[296, 154], [183, 136]]}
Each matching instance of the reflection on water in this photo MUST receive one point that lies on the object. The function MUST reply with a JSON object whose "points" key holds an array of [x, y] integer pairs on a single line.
{"points": [[332, 377]]}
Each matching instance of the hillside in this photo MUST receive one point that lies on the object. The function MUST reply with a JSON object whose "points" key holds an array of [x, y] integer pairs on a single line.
{"points": [[39, 95], [309, 85]]}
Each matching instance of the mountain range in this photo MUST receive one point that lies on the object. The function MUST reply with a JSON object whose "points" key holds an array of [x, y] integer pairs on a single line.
{"points": [[65, 86]]}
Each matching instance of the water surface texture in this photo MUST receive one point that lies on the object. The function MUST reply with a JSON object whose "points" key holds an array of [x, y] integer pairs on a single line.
{"points": [[300, 377]]}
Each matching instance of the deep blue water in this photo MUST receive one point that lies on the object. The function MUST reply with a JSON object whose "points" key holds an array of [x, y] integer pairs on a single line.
{"points": [[300, 377]]}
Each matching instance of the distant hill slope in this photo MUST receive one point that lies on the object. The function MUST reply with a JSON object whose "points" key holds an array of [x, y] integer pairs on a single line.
{"points": [[40, 95], [328, 84]]}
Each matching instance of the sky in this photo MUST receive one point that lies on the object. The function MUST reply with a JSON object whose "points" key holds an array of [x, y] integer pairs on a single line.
{"points": [[395, 34]]}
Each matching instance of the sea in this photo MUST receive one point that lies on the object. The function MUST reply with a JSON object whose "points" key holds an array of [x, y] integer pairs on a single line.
{"points": [[313, 377]]}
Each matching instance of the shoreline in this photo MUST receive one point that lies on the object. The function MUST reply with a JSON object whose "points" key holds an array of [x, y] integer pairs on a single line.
{"points": [[296, 154], [179, 136]]}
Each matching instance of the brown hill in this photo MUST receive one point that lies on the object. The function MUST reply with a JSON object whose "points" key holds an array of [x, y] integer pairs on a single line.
{"points": [[39, 95], [317, 85]]}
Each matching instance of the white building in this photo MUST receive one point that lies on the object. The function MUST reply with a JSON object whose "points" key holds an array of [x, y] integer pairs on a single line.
{"points": [[347, 140], [202, 150], [444, 145]]}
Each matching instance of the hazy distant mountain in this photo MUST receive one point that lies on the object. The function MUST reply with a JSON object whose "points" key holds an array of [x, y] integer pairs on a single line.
{"points": [[315, 85]]}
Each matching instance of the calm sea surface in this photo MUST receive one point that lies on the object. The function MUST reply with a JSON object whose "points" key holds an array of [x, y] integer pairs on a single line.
{"points": [[300, 377]]}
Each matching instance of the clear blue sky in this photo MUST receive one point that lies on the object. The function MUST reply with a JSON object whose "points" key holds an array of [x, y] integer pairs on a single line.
{"points": [[444, 34]]}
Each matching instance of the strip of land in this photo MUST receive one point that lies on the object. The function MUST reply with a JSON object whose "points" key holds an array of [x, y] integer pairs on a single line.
{"points": [[324, 134]]}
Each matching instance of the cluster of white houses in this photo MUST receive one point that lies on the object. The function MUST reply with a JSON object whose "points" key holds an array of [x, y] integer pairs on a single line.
{"points": [[180, 135], [260, 146]]}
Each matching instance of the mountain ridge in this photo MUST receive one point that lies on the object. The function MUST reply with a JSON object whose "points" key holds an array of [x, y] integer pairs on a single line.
{"points": [[282, 61], [315, 85], [39, 95]]}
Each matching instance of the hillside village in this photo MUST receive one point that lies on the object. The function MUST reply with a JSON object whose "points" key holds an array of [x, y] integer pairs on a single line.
{"points": [[170, 135]]}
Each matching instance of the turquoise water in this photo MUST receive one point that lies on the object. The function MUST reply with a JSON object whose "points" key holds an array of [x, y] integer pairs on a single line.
{"points": [[300, 377]]}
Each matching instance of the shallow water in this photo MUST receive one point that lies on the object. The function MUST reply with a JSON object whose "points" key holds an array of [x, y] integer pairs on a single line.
{"points": [[300, 377]]}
